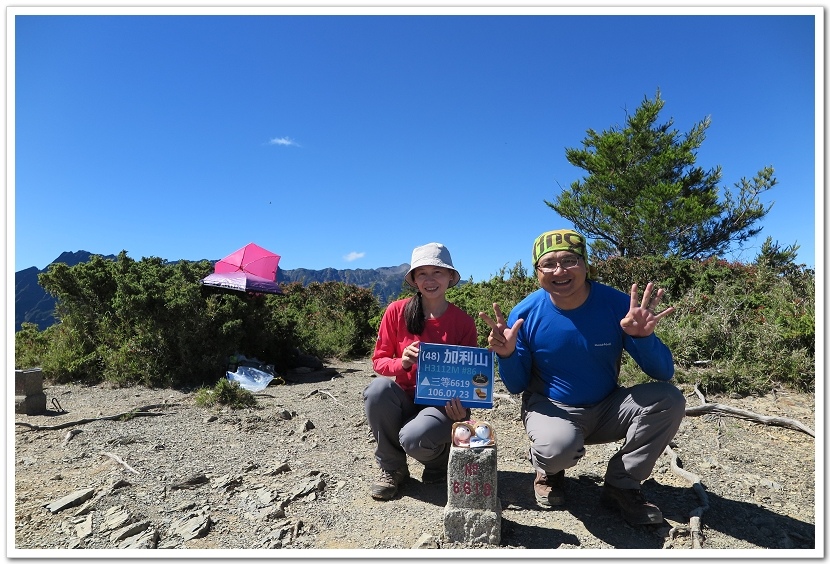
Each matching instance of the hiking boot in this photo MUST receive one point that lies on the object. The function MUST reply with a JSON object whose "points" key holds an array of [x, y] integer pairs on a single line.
{"points": [[387, 484], [434, 475], [549, 490], [632, 504]]}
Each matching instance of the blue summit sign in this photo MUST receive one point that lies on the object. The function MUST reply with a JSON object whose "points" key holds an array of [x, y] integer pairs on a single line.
{"points": [[450, 371]]}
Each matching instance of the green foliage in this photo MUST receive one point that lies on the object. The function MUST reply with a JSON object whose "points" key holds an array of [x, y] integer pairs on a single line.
{"points": [[506, 288], [643, 194], [149, 322], [743, 328], [772, 256], [30, 346], [128, 416], [737, 328], [225, 392], [328, 319], [128, 321]]}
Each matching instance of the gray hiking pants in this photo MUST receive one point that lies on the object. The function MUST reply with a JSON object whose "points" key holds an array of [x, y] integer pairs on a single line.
{"points": [[646, 416], [402, 428]]}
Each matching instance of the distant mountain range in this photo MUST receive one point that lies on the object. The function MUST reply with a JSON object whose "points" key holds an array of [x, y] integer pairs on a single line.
{"points": [[33, 305]]}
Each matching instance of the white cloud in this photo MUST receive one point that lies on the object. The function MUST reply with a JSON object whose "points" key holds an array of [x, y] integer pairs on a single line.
{"points": [[353, 256], [284, 141]]}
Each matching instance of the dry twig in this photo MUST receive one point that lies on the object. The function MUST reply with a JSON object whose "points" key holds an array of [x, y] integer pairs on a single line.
{"points": [[69, 434], [707, 408], [120, 461], [313, 392]]}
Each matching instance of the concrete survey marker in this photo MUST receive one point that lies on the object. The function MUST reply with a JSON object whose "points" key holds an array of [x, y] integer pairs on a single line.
{"points": [[473, 511]]}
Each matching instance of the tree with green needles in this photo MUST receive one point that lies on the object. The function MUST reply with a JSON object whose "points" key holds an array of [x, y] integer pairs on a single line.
{"points": [[643, 194]]}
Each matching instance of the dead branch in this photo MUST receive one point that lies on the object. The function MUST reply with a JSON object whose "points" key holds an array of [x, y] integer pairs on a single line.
{"points": [[707, 408], [120, 461], [138, 412], [696, 514], [155, 406]]}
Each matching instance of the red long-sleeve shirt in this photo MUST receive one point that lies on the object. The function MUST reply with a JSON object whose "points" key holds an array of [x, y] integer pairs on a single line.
{"points": [[454, 327]]}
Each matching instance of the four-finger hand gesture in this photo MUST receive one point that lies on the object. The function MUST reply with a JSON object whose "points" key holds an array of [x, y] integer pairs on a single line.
{"points": [[502, 339], [641, 319]]}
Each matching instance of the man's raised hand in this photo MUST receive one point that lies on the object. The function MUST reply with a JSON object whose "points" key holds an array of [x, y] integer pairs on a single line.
{"points": [[502, 339]]}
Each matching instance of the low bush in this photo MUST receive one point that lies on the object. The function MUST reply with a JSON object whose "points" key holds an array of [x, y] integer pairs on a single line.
{"points": [[226, 393]]}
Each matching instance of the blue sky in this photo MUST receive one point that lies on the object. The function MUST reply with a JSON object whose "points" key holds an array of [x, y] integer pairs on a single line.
{"points": [[346, 140]]}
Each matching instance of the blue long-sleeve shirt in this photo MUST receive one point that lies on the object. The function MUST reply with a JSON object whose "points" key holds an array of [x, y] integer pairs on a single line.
{"points": [[573, 356]]}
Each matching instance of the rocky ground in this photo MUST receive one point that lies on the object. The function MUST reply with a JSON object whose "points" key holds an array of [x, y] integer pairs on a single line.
{"points": [[294, 473]]}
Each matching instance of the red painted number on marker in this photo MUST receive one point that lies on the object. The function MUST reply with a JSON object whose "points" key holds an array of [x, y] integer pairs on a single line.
{"points": [[472, 488]]}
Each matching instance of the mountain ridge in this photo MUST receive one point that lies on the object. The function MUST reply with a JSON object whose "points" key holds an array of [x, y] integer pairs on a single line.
{"points": [[32, 304]]}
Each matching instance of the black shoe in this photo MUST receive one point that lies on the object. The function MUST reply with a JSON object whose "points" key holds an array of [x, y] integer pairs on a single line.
{"points": [[387, 484], [632, 504], [549, 490]]}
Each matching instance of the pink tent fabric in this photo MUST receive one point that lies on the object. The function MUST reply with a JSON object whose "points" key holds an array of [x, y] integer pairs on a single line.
{"points": [[251, 259]]}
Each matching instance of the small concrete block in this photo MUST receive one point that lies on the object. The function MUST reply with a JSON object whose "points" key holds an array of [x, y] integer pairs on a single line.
{"points": [[28, 382], [30, 405]]}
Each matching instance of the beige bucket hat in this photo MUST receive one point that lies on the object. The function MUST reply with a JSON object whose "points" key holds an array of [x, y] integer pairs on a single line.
{"points": [[432, 254]]}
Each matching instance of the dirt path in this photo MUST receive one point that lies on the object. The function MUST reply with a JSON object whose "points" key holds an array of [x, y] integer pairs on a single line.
{"points": [[294, 473]]}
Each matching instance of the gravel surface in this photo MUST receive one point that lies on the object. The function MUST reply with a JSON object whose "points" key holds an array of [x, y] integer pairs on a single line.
{"points": [[294, 473]]}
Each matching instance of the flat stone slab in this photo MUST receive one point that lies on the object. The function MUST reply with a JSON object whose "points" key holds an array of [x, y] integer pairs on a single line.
{"points": [[34, 404], [71, 500]]}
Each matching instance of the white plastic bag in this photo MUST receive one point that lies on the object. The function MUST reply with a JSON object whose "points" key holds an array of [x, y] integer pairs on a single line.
{"points": [[250, 378]]}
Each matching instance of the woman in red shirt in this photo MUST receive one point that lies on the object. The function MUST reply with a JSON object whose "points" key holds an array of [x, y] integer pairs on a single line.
{"points": [[400, 426]]}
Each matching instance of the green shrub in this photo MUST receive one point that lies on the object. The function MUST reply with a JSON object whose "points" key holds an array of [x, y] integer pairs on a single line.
{"points": [[30, 346], [227, 393], [328, 319]]}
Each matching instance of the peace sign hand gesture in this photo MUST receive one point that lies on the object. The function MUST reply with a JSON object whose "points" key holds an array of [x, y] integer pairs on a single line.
{"points": [[641, 320], [502, 339]]}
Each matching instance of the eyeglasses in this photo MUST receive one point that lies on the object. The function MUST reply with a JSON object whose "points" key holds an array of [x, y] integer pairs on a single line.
{"points": [[564, 264]]}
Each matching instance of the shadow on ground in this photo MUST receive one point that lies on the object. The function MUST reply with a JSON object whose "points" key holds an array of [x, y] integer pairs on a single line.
{"points": [[737, 519]]}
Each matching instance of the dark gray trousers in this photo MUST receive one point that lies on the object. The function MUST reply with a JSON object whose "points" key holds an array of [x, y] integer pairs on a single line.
{"points": [[402, 427], [646, 416]]}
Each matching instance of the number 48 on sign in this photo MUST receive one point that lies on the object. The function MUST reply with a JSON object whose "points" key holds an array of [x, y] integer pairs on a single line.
{"points": [[449, 371]]}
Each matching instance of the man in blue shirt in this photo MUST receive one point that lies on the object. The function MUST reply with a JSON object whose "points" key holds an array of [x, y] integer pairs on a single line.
{"points": [[561, 348]]}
